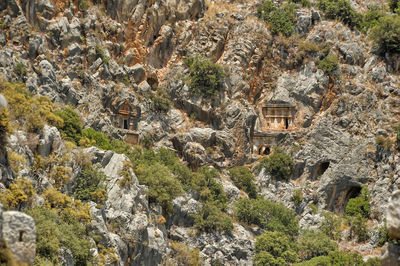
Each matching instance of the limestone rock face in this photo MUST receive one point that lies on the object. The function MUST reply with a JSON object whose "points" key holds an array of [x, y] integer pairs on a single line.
{"points": [[393, 216], [390, 254], [19, 232], [50, 142]]}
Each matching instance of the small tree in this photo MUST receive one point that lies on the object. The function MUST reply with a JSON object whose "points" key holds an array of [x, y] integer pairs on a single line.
{"points": [[281, 19], [278, 244], [72, 127], [279, 164], [205, 77], [386, 34], [359, 206], [244, 179]]}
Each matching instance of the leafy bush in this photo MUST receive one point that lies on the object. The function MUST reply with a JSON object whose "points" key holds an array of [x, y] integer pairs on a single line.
{"points": [[88, 185], [72, 127], [359, 206], [53, 232], [160, 101], [211, 218], [184, 255], [303, 3], [4, 125], [267, 214], [384, 142], [341, 9], [358, 227], [28, 112], [329, 64], [386, 34], [372, 17], [244, 179], [281, 19], [335, 258], [162, 186], [313, 244], [279, 164], [331, 225], [394, 5], [20, 69], [101, 54], [205, 78], [297, 197], [100, 139], [273, 248], [19, 194]]}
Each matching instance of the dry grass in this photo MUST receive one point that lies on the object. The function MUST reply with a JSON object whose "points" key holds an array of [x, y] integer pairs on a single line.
{"points": [[214, 8]]}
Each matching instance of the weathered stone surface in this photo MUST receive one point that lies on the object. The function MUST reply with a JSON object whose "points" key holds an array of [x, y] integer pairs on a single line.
{"points": [[390, 254], [19, 232], [50, 141], [393, 216]]}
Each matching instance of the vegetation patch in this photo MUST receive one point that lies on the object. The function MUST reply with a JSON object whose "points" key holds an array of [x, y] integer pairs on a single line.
{"points": [[205, 77], [268, 215], [88, 185], [244, 179], [386, 34], [281, 19], [71, 129], [279, 164], [28, 112]]}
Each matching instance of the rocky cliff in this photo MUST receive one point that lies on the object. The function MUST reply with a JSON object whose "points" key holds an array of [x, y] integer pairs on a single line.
{"points": [[123, 67]]}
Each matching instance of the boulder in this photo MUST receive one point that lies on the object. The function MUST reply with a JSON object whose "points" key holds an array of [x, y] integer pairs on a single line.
{"points": [[390, 254], [393, 216], [19, 232], [50, 141]]}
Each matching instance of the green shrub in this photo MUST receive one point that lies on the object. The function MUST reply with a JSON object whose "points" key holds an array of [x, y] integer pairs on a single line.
{"points": [[4, 126], [20, 69], [160, 101], [211, 218], [279, 164], [396, 130], [335, 258], [278, 245], [162, 186], [185, 255], [83, 5], [281, 19], [100, 139], [386, 34], [331, 225], [18, 195], [329, 63], [72, 127], [313, 208], [211, 190], [313, 244], [297, 197], [393, 5], [358, 227], [101, 54], [28, 112], [372, 17], [267, 214], [341, 9], [53, 232], [205, 77], [244, 179], [88, 185], [303, 3], [359, 206]]}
